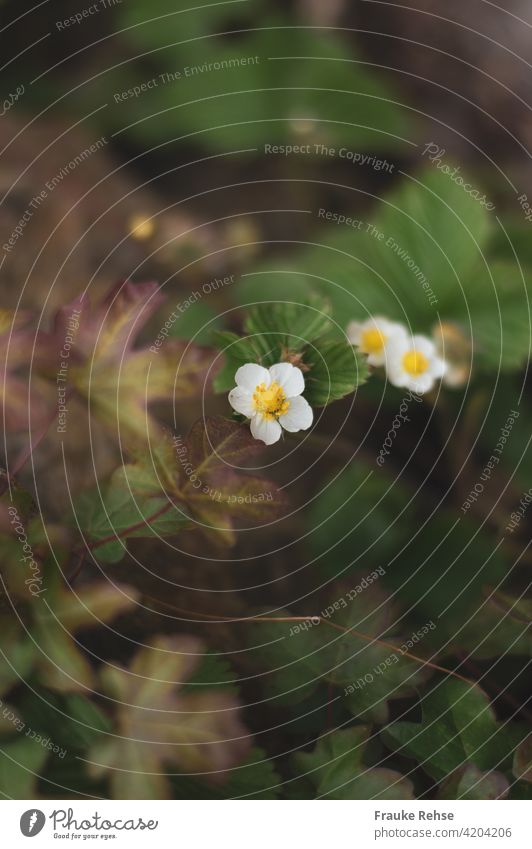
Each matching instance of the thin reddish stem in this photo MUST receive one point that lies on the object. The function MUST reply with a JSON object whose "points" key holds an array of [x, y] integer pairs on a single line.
{"points": [[129, 530], [317, 620]]}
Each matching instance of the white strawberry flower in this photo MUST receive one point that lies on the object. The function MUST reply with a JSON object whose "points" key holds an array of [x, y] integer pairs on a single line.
{"points": [[412, 362], [372, 336], [271, 399]]}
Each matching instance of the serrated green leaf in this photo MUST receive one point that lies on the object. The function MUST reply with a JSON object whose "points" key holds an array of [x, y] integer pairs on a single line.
{"points": [[336, 369], [336, 769], [279, 328], [458, 726], [237, 351]]}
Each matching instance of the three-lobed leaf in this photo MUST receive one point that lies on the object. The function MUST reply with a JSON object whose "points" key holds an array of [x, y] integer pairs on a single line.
{"points": [[336, 769]]}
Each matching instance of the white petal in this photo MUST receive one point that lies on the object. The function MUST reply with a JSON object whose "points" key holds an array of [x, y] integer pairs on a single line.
{"points": [[354, 332], [398, 342], [299, 415], [396, 375], [395, 344], [267, 430], [421, 384], [394, 350], [386, 327], [289, 377], [438, 367], [250, 375], [395, 329], [377, 359], [424, 345], [241, 401]]}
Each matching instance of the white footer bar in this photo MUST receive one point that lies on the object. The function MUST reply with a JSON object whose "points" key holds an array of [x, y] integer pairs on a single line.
{"points": [[266, 824]]}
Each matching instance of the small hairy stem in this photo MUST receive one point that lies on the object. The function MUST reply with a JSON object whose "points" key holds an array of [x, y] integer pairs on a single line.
{"points": [[126, 531]]}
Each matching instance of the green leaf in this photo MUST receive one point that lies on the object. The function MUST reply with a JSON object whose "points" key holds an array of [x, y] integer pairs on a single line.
{"points": [[237, 351], [17, 655], [58, 614], [359, 521], [441, 573], [499, 311], [298, 333], [337, 771], [428, 235], [71, 720], [297, 657], [292, 658], [197, 323], [499, 625], [501, 409], [279, 82], [442, 229], [335, 370], [281, 328], [118, 512], [214, 489], [458, 727], [21, 763]]}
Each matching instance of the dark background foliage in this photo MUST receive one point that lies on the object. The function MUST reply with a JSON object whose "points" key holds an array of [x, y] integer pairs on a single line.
{"points": [[183, 192]]}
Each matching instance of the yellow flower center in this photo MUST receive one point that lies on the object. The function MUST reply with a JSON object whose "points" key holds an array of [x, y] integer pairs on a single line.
{"points": [[270, 400], [415, 363], [372, 341], [141, 227]]}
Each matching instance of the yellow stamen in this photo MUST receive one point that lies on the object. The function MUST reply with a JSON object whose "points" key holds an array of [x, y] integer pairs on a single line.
{"points": [[141, 227], [415, 363], [6, 320], [270, 400], [372, 341]]}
